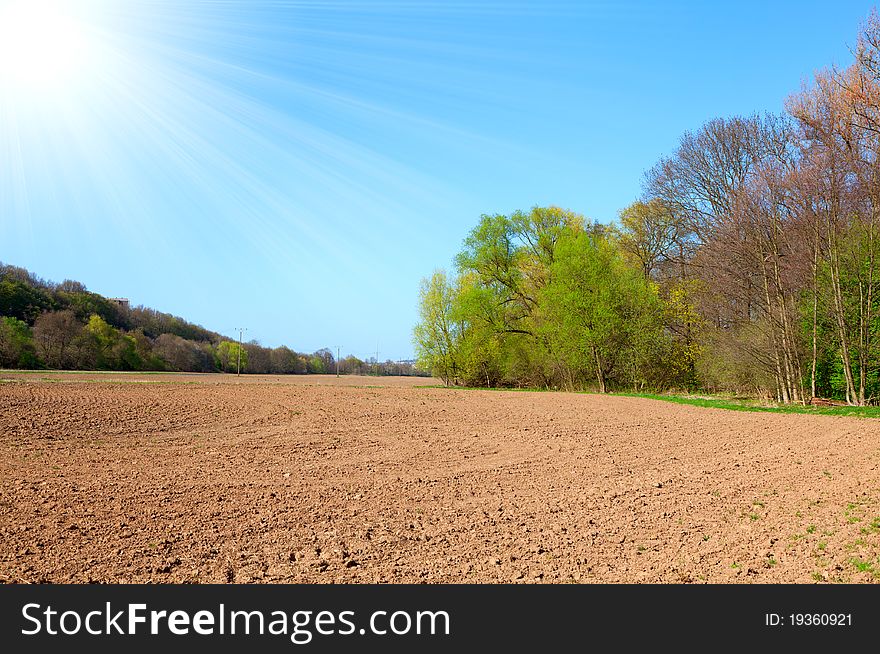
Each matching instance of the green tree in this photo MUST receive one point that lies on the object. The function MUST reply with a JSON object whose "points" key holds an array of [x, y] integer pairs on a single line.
{"points": [[685, 326], [16, 344], [479, 344], [649, 233], [86, 304], [317, 365], [600, 316], [126, 353], [852, 297], [436, 336], [322, 362], [20, 300], [104, 339], [511, 256], [505, 263], [227, 356]]}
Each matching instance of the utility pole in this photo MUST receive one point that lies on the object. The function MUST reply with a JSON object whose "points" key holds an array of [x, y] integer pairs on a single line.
{"points": [[241, 331], [377, 358], [337, 359]]}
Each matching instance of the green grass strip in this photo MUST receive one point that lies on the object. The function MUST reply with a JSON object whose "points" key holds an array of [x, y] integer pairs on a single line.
{"points": [[731, 404]]}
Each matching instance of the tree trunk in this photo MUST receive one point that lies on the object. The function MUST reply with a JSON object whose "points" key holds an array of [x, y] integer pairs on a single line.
{"points": [[815, 312], [791, 360], [869, 318], [834, 261], [782, 390], [600, 372], [863, 343]]}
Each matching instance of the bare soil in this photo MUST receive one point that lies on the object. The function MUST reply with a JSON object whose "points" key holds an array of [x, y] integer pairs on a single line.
{"points": [[214, 478]]}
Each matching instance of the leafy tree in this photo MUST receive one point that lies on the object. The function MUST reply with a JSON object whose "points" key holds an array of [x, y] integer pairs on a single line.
{"points": [[105, 339], [512, 256], [126, 355], [685, 325], [322, 362], [351, 365], [16, 344], [85, 305], [18, 299], [227, 356], [143, 346], [317, 365], [850, 291], [649, 233], [479, 345], [436, 335], [600, 316]]}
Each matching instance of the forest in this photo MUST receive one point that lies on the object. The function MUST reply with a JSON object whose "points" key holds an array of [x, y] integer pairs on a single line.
{"points": [[65, 326], [747, 266]]}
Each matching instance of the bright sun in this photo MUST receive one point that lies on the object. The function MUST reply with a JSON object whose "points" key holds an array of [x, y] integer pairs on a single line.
{"points": [[41, 45]]}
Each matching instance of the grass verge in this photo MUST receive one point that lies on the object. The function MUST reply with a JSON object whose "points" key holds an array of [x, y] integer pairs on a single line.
{"points": [[730, 403], [739, 404]]}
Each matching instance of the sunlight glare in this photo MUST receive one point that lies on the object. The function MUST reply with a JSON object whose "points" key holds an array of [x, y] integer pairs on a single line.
{"points": [[41, 45]]}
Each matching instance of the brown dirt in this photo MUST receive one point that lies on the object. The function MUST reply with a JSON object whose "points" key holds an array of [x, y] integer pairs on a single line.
{"points": [[192, 478]]}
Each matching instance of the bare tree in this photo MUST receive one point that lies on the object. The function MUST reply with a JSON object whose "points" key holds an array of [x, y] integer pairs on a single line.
{"points": [[54, 333], [839, 117]]}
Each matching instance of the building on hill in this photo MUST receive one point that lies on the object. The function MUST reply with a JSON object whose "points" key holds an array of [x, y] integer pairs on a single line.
{"points": [[120, 301]]}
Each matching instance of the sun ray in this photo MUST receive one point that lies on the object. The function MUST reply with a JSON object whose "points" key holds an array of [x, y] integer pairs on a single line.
{"points": [[42, 45], [192, 126]]}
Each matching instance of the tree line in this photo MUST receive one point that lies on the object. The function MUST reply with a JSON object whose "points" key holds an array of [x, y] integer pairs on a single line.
{"points": [[65, 326], [749, 265]]}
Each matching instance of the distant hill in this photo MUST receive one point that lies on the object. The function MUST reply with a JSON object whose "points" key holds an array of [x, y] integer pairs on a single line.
{"points": [[63, 325]]}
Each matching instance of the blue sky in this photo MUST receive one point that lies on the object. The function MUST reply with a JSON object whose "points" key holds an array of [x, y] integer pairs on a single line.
{"points": [[298, 167]]}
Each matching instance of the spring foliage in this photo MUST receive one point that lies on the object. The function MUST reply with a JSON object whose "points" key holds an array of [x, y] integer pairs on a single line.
{"points": [[540, 299], [751, 265]]}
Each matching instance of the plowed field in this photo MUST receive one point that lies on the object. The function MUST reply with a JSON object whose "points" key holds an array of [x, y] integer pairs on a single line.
{"points": [[212, 478]]}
